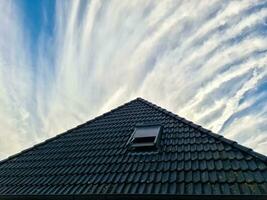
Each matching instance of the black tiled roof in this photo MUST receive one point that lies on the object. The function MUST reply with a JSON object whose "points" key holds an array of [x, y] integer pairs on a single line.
{"points": [[92, 159]]}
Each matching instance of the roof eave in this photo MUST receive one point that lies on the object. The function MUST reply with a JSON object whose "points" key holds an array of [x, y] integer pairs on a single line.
{"points": [[132, 197]]}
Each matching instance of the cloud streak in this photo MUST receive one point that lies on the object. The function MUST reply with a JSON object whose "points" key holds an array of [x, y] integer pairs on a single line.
{"points": [[204, 61]]}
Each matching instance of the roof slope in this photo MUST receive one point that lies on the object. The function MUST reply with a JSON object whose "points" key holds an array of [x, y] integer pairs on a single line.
{"points": [[93, 159]]}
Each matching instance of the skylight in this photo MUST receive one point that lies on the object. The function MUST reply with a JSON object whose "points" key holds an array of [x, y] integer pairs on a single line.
{"points": [[144, 137]]}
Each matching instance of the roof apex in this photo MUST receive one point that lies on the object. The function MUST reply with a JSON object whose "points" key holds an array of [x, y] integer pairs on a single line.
{"points": [[92, 159], [175, 116]]}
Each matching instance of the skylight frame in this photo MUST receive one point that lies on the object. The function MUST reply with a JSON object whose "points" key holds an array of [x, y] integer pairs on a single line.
{"points": [[145, 132]]}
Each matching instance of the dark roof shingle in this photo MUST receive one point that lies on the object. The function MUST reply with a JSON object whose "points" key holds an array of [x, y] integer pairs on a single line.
{"points": [[93, 159]]}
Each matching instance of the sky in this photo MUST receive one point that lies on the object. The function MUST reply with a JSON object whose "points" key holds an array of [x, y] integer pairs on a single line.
{"points": [[63, 63]]}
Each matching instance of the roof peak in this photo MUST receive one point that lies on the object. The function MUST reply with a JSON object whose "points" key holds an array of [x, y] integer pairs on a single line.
{"points": [[93, 159], [169, 113]]}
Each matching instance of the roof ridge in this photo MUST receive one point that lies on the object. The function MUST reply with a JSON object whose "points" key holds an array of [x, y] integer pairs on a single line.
{"points": [[66, 132], [206, 131]]}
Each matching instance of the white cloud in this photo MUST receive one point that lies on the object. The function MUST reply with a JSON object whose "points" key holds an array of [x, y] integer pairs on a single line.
{"points": [[15, 82], [181, 55]]}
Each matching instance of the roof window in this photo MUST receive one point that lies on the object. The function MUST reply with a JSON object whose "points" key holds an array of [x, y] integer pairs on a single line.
{"points": [[144, 137]]}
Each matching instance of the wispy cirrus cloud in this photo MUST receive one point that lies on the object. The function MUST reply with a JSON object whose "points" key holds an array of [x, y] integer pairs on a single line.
{"points": [[203, 60], [15, 81]]}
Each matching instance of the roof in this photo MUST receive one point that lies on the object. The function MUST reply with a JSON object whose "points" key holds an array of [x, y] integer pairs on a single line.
{"points": [[93, 160]]}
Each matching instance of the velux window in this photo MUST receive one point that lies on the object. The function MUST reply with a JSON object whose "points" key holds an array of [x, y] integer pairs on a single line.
{"points": [[144, 137]]}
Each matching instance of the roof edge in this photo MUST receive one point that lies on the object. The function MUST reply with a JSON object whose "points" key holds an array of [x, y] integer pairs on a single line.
{"points": [[65, 133], [209, 132], [133, 197]]}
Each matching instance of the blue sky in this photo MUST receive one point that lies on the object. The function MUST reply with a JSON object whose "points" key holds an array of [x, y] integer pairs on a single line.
{"points": [[65, 62]]}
